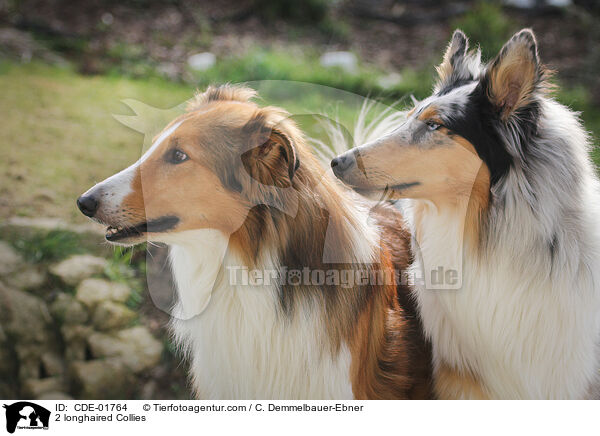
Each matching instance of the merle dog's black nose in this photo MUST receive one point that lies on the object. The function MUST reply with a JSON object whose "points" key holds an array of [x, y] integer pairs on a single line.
{"points": [[88, 205], [342, 163]]}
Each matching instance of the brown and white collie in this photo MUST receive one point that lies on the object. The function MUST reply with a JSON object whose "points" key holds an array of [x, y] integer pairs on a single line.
{"points": [[499, 190], [233, 188]]}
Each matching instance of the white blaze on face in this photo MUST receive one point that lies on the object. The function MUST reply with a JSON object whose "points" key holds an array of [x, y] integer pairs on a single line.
{"points": [[164, 135]]}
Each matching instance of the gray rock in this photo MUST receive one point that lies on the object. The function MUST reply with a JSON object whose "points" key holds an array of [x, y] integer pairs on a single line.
{"points": [[342, 59], [148, 391], [54, 395], [109, 315], [6, 359], [10, 260], [169, 70], [33, 359], [202, 61], [390, 80], [135, 347], [530, 4], [27, 277], [52, 363], [8, 368], [93, 291], [24, 317], [27, 324], [67, 310], [77, 268], [75, 338], [34, 388], [102, 379], [107, 18], [524, 4], [8, 389]]}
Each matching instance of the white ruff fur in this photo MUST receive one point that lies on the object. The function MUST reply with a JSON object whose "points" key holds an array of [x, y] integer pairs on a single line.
{"points": [[240, 345], [526, 321]]}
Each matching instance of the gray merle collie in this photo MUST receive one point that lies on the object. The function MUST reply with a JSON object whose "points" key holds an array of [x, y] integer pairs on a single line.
{"points": [[499, 187]]}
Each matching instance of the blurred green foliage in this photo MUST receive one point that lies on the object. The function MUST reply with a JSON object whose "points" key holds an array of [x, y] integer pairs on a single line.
{"points": [[48, 246], [487, 25], [315, 14], [260, 64], [126, 267], [578, 98], [299, 11]]}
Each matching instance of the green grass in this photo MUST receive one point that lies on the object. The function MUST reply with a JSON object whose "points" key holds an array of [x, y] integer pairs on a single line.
{"points": [[59, 136]]}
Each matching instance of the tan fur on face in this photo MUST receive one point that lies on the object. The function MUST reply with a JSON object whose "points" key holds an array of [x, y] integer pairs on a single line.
{"points": [[213, 135], [446, 171], [161, 188], [449, 172], [430, 114], [152, 197]]}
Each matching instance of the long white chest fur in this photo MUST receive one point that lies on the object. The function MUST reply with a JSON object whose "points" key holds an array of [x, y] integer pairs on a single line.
{"points": [[524, 329], [239, 344]]}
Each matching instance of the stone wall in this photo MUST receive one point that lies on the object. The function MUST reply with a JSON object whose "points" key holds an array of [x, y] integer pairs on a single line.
{"points": [[66, 331]]}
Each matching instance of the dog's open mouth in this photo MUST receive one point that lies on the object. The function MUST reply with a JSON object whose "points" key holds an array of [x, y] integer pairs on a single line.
{"points": [[161, 224]]}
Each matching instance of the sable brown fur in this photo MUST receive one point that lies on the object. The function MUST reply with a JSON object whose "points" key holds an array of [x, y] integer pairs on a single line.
{"points": [[390, 357]]}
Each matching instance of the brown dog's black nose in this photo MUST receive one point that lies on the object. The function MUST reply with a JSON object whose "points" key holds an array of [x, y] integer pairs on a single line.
{"points": [[341, 163], [88, 205]]}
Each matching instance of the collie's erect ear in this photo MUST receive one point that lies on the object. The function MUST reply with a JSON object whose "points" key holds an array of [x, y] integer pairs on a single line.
{"points": [[514, 74], [453, 58], [272, 158]]}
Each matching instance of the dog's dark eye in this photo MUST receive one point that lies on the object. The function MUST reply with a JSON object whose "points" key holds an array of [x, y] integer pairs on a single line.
{"points": [[432, 125], [177, 156]]}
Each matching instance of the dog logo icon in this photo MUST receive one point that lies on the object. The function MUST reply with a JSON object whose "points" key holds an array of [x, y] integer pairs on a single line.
{"points": [[26, 415]]}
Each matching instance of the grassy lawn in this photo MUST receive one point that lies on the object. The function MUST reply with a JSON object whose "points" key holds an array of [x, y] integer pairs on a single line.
{"points": [[59, 134]]}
